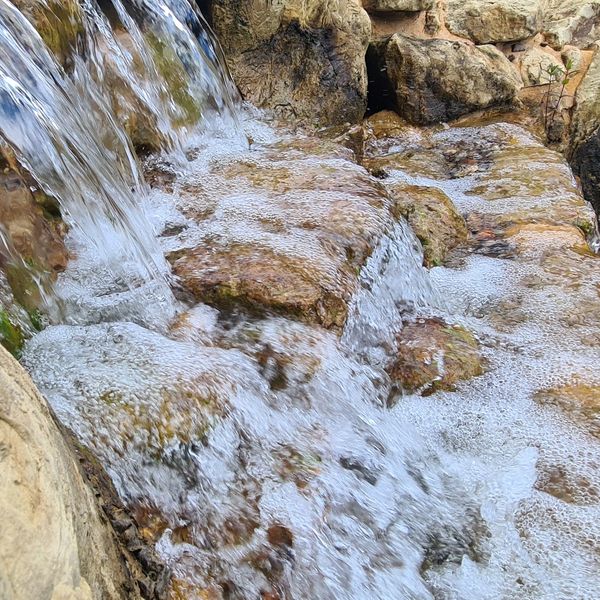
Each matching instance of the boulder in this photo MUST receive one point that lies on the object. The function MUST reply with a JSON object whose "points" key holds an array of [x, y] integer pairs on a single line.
{"points": [[54, 541], [534, 66], [305, 60], [585, 133], [574, 22], [433, 217], [397, 5], [439, 80], [493, 21]]}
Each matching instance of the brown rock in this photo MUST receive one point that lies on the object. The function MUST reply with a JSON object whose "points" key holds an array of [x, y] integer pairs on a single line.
{"points": [[433, 355], [432, 81], [433, 217], [316, 218]]}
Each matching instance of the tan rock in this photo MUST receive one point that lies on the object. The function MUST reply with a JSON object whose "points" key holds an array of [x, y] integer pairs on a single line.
{"points": [[439, 80], [493, 21], [54, 543], [397, 5], [575, 22], [302, 59], [433, 356], [580, 402], [534, 65], [432, 217]]}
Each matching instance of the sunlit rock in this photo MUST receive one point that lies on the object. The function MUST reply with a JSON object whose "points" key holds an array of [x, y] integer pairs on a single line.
{"points": [[54, 542], [575, 22], [492, 21]]}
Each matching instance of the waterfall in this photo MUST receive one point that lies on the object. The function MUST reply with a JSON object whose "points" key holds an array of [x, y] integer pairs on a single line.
{"points": [[65, 128]]}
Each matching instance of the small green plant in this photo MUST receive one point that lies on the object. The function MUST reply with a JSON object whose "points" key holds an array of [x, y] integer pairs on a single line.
{"points": [[556, 78]]}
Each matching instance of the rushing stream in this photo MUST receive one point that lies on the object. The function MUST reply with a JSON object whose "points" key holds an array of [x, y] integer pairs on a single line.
{"points": [[269, 456]]}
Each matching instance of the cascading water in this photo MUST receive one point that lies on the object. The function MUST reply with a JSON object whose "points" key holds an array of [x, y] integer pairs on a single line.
{"points": [[257, 451]]}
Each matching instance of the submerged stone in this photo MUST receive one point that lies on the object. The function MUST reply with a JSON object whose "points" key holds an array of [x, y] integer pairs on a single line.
{"points": [[291, 239], [433, 356]]}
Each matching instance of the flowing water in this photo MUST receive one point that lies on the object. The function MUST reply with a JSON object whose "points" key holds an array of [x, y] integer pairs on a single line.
{"points": [[264, 454]]}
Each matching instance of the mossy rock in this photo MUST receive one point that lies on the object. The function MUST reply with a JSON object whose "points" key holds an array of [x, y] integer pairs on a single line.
{"points": [[11, 336], [433, 217], [59, 22]]}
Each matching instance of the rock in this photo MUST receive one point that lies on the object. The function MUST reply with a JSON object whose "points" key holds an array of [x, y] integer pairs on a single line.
{"points": [[433, 218], [286, 230], [439, 80], [31, 221], [493, 21], [54, 541], [585, 133], [433, 356], [574, 56], [397, 5], [574, 22], [59, 23], [302, 59], [534, 66], [580, 402]]}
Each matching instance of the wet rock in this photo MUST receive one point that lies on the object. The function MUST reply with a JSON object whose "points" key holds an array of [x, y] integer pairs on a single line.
{"points": [[493, 21], [291, 239], [439, 80], [574, 22], [579, 402], [433, 218], [304, 60], [31, 221], [397, 5], [59, 23], [55, 540], [433, 356]]}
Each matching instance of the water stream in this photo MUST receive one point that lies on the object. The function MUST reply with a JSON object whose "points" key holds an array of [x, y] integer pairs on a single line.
{"points": [[262, 452]]}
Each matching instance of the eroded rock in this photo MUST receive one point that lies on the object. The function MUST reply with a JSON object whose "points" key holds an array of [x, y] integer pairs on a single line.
{"points": [[493, 21], [302, 59], [433, 218], [575, 22], [439, 80]]}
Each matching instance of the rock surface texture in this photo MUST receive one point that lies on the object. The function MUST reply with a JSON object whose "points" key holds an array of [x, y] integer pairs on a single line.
{"points": [[574, 22], [439, 80], [397, 5], [54, 542], [492, 21], [301, 59]]}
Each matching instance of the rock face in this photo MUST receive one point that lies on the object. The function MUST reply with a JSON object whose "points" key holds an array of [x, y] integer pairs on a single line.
{"points": [[440, 80], [585, 133], [492, 21], [302, 59], [53, 541], [575, 22], [397, 5]]}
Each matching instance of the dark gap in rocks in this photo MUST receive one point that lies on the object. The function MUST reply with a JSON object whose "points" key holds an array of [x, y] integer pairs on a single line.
{"points": [[585, 163], [380, 95], [205, 7]]}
